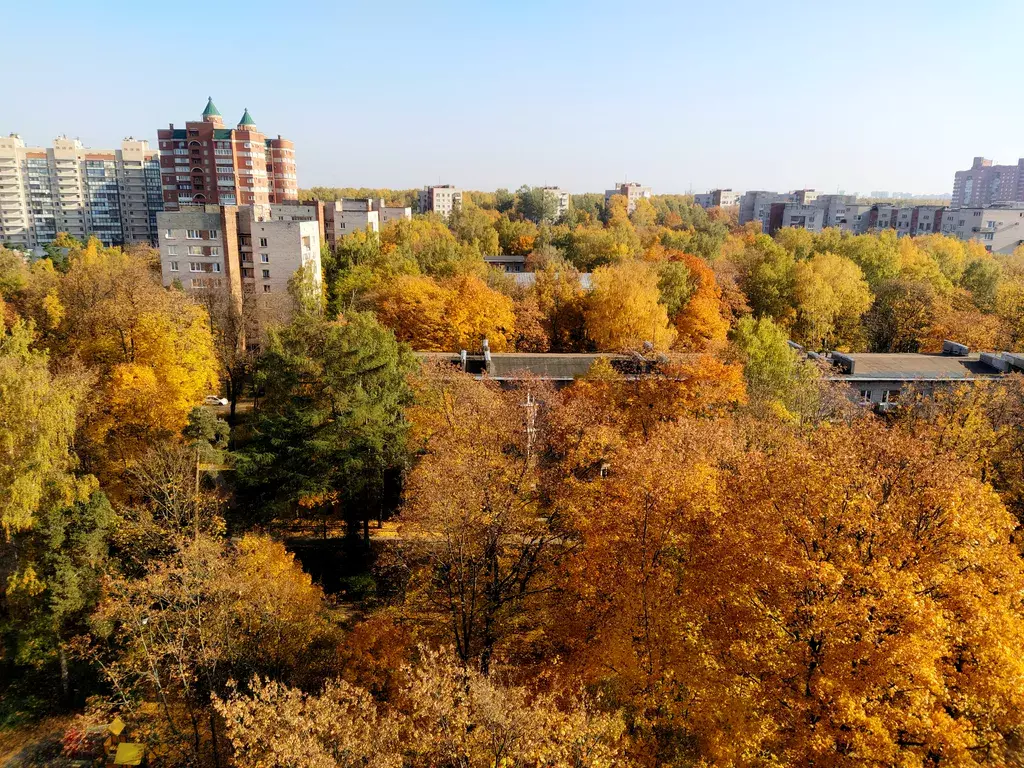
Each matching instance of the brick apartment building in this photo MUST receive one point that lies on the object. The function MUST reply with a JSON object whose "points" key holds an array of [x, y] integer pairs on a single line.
{"points": [[205, 163], [985, 184]]}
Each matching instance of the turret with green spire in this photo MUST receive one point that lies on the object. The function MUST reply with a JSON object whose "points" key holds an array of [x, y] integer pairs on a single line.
{"points": [[247, 123], [211, 113]]}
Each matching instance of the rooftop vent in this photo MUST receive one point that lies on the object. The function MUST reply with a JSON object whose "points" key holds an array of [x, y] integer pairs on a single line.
{"points": [[955, 348]]}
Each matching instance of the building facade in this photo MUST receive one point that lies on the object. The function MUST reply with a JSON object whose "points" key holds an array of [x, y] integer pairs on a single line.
{"points": [[111, 194], [986, 184], [442, 199], [720, 198], [560, 198], [999, 228], [205, 163], [236, 249], [631, 190]]}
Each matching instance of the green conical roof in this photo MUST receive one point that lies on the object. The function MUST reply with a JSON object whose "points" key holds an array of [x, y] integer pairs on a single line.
{"points": [[211, 109], [247, 119]]}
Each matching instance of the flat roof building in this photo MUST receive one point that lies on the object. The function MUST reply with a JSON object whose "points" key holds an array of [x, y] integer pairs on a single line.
{"points": [[441, 199], [999, 228], [631, 190], [239, 250], [985, 184], [717, 198]]}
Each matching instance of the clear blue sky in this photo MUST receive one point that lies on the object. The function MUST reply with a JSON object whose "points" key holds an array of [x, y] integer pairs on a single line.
{"points": [[758, 95]]}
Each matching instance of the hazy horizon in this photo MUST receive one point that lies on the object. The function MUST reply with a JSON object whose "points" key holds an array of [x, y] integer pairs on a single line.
{"points": [[680, 99]]}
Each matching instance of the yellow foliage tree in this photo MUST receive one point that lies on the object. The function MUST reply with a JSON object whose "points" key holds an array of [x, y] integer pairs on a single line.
{"points": [[151, 348], [832, 297], [700, 321], [623, 310]]}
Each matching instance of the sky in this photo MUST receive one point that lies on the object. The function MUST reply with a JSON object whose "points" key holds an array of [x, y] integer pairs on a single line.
{"points": [[681, 96]]}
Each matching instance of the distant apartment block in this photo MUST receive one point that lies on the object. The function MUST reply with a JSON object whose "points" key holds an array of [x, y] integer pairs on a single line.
{"points": [[342, 217], [561, 199], [919, 220], [631, 190], [720, 198], [999, 228], [442, 199], [111, 194], [238, 249], [756, 205], [205, 163], [986, 184]]}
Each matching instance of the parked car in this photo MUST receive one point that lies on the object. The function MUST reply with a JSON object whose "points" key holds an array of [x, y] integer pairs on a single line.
{"points": [[214, 400]]}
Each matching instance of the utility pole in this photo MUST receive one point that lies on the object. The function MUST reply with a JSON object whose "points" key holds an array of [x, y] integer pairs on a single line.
{"points": [[531, 424]]}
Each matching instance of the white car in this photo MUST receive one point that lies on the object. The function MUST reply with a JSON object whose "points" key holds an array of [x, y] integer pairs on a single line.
{"points": [[214, 400]]}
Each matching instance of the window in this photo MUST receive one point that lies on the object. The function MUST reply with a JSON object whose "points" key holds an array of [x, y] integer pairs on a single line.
{"points": [[343, 225], [174, 266], [266, 274], [215, 250], [216, 267], [169, 234], [865, 395], [263, 242], [172, 250], [246, 272], [213, 234], [196, 283], [264, 258], [192, 234], [891, 396], [195, 266], [195, 250], [266, 289]]}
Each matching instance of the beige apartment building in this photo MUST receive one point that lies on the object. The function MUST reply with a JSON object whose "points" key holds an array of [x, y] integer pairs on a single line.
{"points": [[1000, 228], [241, 250], [442, 199], [111, 194], [561, 199], [341, 217], [631, 190]]}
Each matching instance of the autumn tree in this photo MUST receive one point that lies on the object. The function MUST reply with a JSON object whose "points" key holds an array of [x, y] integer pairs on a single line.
{"points": [[477, 541], [699, 319], [831, 298], [150, 349], [446, 715], [881, 628], [208, 613], [561, 301], [624, 310], [901, 316]]}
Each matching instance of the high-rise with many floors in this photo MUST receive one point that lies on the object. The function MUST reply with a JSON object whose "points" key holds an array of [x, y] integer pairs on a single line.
{"points": [[984, 184], [205, 163], [111, 194]]}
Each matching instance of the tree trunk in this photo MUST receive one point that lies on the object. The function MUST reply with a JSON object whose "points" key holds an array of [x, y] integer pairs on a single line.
{"points": [[213, 738], [65, 678]]}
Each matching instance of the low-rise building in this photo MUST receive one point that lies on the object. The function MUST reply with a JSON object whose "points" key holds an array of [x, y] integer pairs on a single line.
{"points": [[999, 228], [631, 190], [881, 379], [441, 199], [717, 198], [919, 220]]}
